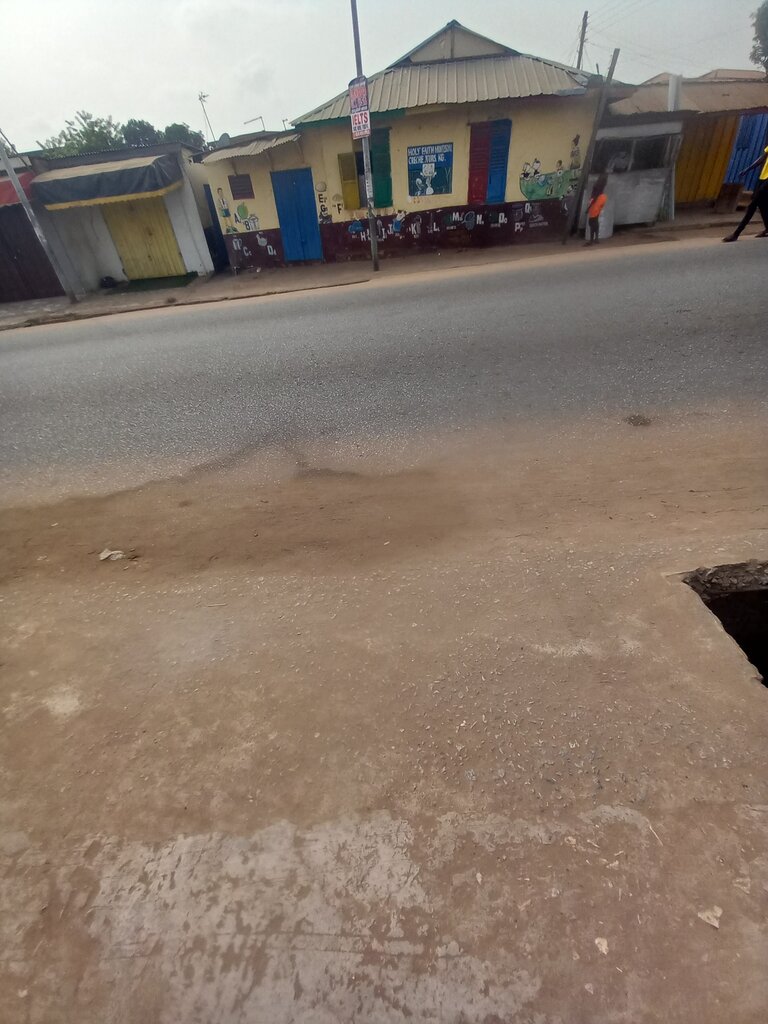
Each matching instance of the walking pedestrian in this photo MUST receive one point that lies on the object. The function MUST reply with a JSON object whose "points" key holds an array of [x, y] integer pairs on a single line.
{"points": [[596, 206], [759, 200]]}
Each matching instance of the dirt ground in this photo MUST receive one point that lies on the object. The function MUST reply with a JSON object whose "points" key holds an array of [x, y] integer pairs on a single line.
{"points": [[363, 738]]}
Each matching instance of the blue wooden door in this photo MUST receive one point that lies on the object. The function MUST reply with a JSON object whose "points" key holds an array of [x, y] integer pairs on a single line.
{"points": [[297, 213], [497, 162]]}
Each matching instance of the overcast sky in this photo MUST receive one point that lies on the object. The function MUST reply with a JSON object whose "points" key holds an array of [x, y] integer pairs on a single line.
{"points": [[279, 58]]}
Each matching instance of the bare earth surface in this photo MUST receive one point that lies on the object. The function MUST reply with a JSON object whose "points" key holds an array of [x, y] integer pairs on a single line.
{"points": [[430, 733]]}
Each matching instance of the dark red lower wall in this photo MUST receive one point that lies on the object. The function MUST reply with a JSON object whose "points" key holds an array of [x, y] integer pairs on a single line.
{"points": [[452, 227], [249, 249]]}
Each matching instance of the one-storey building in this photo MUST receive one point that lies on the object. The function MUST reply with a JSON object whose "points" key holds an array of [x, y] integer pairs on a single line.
{"points": [[123, 216], [472, 143]]}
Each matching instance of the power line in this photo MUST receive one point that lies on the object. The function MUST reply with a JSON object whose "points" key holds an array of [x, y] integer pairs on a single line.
{"points": [[635, 7], [652, 58], [617, 10], [602, 10], [653, 52]]}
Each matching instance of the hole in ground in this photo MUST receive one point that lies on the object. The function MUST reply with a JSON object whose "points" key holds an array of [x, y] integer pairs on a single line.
{"points": [[738, 595]]}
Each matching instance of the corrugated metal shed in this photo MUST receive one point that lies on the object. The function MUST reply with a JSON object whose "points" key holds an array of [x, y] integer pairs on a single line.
{"points": [[250, 148], [749, 146], [709, 97], [457, 81]]}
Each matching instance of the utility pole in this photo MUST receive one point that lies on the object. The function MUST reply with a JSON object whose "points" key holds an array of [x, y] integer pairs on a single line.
{"points": [[575, 208], [582, 39], [372, 229], [5, 160]]}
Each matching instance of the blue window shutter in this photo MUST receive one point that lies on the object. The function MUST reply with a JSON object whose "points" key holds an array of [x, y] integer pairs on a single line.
{"points": [[499, 158]]}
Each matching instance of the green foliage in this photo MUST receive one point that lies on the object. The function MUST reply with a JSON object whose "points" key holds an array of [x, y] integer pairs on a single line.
{"points": [[89, 134], [183, 133], [141, 133], [759, 53], [85, 134]]}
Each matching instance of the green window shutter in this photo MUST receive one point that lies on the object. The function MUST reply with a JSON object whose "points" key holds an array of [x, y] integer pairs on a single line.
{"points": [[381, 168], [350, 188]]}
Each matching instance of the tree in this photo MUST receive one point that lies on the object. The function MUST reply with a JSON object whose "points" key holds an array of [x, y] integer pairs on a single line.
{"points": [[184, 134], [759, 53], [85, 134], [141, 133]]}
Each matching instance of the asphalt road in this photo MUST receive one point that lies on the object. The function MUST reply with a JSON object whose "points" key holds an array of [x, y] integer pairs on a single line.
{"points": [[611, 331]]}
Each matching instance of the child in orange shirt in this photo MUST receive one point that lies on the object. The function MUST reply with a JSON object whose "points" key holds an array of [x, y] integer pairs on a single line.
{"points": [[596, 207]]}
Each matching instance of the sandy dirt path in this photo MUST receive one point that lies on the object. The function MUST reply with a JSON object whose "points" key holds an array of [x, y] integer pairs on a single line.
{"points": [[351, 739]]}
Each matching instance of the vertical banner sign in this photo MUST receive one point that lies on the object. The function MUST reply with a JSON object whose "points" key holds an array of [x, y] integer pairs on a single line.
{"points": [[359, 113]]}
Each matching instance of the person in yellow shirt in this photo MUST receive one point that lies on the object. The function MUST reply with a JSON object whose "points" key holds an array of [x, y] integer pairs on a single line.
{"points": [[759, 200]]}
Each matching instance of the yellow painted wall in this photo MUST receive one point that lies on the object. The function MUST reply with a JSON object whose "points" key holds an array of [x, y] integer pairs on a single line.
{"points": [[281, 158], [542, 128]]}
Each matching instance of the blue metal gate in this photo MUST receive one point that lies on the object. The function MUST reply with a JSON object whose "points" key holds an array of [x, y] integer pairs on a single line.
{"points": [[297, 213], [748, 147]]}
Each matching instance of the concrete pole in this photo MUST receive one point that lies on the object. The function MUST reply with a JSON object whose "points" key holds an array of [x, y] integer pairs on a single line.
{"points": [[5, 160], [674, 102], [372, 229]]}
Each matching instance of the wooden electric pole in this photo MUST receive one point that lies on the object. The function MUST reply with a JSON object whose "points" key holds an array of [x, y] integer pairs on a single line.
{"points": [[5, 160], [372, 229], [582, 39], [574, 208]]}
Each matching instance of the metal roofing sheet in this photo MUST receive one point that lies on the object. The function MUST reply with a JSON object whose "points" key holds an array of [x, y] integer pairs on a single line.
{"points": [[107, 182], [84, 170], [709, 97], [249, 149], [458, 81]]}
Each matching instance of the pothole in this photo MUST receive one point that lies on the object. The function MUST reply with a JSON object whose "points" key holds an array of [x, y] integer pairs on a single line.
{"points": [[738, 595]]}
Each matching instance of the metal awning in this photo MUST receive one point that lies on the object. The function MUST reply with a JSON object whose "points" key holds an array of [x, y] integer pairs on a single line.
{"points": [[714, 96], [254, 148], [141, 177]]}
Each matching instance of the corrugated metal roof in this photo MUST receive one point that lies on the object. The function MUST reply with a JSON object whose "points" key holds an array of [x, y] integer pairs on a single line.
{"points": [[708, 97], [250, 149], [734, 74], [457, 81]]}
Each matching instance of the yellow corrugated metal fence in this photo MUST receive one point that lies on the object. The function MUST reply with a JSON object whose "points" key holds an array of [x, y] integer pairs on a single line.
{"points": [[704, 156], [143, 235]]}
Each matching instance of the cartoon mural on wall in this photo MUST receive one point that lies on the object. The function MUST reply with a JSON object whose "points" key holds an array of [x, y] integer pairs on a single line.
{"points": [[536, 184], [243, 218], [249, 221], [224, 212]]}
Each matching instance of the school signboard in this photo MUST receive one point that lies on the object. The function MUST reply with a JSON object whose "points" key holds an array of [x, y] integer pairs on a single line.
{"points": [[430, 169]]}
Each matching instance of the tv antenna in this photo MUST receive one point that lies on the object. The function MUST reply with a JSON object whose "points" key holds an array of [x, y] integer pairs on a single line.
{"points": [[203, 96]]}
